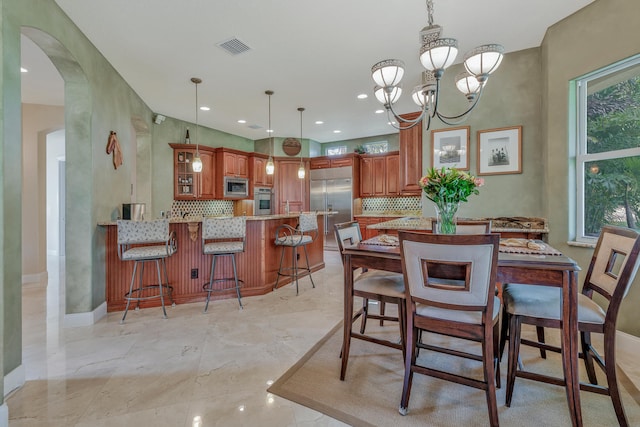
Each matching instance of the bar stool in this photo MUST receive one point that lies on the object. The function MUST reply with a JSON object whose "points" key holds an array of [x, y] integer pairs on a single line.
{"points": [[289, 237], [145, 241], [223, 237]]}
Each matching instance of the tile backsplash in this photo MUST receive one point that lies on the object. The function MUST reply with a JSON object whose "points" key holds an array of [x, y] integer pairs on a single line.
{"points": [[201, 207], [382, 204]]}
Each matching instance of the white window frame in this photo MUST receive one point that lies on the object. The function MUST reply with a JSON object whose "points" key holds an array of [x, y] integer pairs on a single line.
{"points": [[582, 156]]}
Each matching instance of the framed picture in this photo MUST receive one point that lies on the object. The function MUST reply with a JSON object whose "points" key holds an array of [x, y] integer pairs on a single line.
{"points": [[500, 151], [450, 148]]}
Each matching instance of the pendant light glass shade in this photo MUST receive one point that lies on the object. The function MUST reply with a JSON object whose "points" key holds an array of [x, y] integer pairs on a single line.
{"points": [[387, 96], [270, 168], [301, 170], [438, 54], [484, 60], [468, 84], [196, 164]]}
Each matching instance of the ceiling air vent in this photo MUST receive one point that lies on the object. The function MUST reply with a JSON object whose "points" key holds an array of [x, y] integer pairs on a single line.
{"points": [[234, 46]]}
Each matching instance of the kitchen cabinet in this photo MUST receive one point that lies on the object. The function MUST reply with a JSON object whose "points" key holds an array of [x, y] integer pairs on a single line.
{"points": [[410, 157], [288, 187], [233, 163], [324, 162], [190, 185], [379, 175], [258, 171]]}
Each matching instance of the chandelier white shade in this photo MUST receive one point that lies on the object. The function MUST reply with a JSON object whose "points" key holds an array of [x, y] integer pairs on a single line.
{"points": [[436, 54], [196, 164]]}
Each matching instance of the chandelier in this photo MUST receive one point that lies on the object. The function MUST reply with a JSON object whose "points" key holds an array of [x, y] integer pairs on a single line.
{"points": [[436, 54]]}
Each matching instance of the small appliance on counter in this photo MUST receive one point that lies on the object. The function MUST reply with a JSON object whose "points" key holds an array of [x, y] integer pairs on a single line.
{"points": [[133, 211]]}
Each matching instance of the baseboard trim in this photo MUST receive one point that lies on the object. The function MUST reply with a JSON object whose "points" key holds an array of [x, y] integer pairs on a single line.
{"points": [[4, 415], [74, 320], [14, 380]]}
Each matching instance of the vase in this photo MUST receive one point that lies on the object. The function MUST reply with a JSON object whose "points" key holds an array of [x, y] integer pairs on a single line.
{"points": [[446, 215]]}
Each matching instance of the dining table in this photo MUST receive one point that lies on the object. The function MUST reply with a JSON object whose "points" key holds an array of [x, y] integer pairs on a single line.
{"points": [[538, 267]]}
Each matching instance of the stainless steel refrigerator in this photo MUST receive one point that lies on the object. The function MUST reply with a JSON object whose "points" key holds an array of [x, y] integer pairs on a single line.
{"points": [[331, 190]]}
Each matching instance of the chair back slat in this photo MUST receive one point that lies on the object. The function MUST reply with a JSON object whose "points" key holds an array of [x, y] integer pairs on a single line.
{"points": [[135, 232], [452, 271], [224, 227]]}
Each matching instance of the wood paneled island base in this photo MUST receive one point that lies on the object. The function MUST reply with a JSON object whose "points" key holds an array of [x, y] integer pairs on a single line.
{"points": [[257, 266]]}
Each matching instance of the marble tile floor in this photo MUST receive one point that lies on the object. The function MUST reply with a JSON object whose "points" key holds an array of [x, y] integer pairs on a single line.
{"points": [[192, 369]]}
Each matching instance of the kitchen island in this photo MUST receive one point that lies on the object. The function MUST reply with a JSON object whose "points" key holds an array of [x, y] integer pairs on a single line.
{"points": [[257, 265], [518, 227]]}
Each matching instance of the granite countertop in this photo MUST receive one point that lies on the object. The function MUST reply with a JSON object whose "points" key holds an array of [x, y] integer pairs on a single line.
{"points": [[190, 219], [391, 214], [500, 225]]}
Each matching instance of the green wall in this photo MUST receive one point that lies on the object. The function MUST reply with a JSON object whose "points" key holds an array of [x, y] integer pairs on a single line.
{"points": [[602, 33]]}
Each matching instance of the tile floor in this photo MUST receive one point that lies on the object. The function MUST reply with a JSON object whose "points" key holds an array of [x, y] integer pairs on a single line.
{"points": [[192, 369]]}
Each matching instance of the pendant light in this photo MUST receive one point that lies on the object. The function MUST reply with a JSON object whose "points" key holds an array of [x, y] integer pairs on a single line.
{"points": [[270, 166], [197, 161], [301, 170]]}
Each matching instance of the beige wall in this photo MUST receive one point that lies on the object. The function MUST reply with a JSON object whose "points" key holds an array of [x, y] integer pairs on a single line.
{"points": [[598, 35], [37, 122]]}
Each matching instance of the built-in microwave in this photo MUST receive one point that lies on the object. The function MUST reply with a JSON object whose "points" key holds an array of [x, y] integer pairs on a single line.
{"points": [[236, 188]]}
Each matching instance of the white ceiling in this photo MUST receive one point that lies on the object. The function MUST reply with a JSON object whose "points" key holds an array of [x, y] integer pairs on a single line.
{"points": [[312, 54]]}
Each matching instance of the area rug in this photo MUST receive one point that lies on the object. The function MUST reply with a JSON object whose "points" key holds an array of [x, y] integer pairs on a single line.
{"points": [[370, 394]]}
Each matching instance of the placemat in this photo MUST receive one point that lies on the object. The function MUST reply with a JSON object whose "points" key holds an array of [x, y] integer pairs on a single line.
{"points": [[527, 246], [383, 240]]}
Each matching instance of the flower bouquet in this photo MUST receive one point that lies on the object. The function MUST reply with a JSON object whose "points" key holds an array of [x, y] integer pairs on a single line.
{"points": [[447, 188]]}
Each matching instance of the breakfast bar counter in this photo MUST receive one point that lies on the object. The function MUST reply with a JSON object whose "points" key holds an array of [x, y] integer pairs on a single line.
{"points": [[257, 265]]}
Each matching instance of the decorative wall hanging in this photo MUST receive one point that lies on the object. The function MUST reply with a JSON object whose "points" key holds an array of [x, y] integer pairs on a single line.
{"points": [[500, 151], [450, 148], [113, 146]]}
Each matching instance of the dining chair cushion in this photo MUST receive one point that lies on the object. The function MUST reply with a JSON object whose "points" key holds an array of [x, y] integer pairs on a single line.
{"points": [[223, 248], [308, 222], [470, 317], [148, 252], [380, 283], [546, 303], [135, 232]]}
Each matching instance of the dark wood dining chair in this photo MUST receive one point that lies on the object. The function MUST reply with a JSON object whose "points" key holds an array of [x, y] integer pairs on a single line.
{"points": [[372, 285], [450, 290], [612, 269]]}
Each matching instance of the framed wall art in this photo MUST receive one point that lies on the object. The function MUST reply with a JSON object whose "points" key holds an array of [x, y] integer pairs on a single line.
{"points": [[500, 151], [450, 148]]}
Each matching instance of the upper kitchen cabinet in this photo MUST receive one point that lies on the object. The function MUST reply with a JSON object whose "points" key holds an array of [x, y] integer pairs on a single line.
{"points": [[379, 175], [410, 157], [324, 162], [258, 171], [233, 163], [190, 185]]}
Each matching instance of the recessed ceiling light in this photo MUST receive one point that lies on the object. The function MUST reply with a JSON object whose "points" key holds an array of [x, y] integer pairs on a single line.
{"points": [[337, 131], [242, 121], [379, 111], [391, 123], [363, 96], [319, 122], [269, 130], [205, 108], [23, 70]]}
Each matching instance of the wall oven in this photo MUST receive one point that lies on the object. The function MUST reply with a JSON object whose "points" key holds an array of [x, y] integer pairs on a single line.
{"points": [[263, 201], [236, 188]]}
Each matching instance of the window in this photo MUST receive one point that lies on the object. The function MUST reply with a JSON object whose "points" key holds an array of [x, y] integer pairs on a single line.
{"points": [[376, 147], [334, 151], [608, 149]]}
